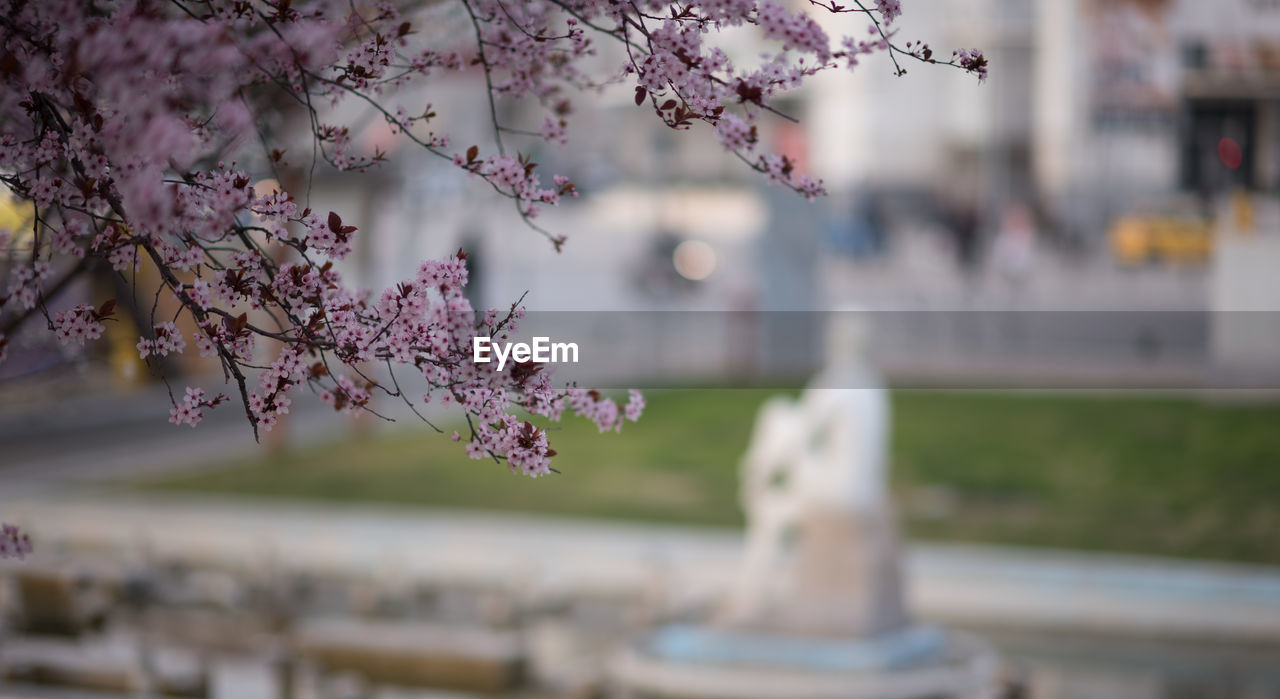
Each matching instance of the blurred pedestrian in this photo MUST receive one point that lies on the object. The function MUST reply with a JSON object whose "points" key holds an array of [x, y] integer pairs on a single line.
{"points": [[963, 224], [1013, 251]]}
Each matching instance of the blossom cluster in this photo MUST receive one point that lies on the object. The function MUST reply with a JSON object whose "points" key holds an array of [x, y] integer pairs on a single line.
{"points": [[189, 411], [136, 132], [890, 9], [539, 50], [168, 339], [973, 61], [79, 324], [14, 543]]}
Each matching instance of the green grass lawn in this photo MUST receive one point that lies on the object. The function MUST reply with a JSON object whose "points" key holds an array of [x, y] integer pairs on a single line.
{"points": [[1143, 475]]}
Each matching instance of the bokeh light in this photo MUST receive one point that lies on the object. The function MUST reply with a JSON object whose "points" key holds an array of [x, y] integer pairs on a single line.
{"points": [[695, 260]]}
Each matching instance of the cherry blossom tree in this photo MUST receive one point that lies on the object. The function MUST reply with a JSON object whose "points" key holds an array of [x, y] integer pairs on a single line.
{"points": [[133, 129]]}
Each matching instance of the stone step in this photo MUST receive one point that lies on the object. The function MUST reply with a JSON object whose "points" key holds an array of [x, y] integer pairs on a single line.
{"points": [[112, 665], [414, 654]]}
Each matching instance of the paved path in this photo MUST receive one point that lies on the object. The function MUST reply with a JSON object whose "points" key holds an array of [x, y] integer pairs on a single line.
{"points": [[964, 585], [100, 436]]}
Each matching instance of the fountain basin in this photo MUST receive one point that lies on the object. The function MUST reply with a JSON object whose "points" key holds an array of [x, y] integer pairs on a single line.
{"points": [[702, 662]]}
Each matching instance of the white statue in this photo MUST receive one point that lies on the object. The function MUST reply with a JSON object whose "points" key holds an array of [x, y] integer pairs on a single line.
{"points": [[815, 472]]}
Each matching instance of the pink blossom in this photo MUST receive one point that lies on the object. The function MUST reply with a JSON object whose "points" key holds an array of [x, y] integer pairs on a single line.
{"points": [[734, 133], [890, 9], [973, 61], [136, 129], [79, 325], [189, 411], [554, 130], [14, 543], [168, 339], [635, 405]]}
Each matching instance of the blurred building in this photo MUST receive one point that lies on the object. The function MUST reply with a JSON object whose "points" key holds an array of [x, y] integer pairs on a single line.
{"points": [[1095, 112], [1094, 109], [1159, 89]]}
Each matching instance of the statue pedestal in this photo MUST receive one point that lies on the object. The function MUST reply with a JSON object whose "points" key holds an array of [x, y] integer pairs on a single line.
{"points": [[919, 662], [843, 581], [818, 609]]}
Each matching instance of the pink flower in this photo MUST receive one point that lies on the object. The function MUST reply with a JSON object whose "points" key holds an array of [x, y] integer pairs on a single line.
{"points": [[189, 411], [734, 133], [973, 61], [553, 130], [635, 405], [79, 325], [14, 543], [890, 9]]}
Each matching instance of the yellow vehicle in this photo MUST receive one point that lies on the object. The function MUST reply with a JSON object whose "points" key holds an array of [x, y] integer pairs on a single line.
{"points": [[15, 217], [1135, 240]]}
